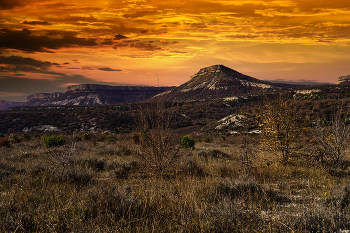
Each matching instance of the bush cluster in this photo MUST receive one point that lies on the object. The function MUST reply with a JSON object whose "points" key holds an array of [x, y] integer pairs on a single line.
{"points": [[54, 140]]}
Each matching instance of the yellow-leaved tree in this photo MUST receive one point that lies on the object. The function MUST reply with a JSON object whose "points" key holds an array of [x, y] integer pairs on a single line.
{"points": [[280, 127]]}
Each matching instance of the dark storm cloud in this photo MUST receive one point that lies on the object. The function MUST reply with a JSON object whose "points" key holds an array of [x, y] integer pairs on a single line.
{"points": [[24, 61], [119, 37], [107, 69], [25, 41], [36, 22], [10, 4]]}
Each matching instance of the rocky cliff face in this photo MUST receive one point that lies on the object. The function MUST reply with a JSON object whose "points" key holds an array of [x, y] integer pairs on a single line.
{"points": [[344, 80], [96, 87], [93, 94], [219, 81], [43, 96]]}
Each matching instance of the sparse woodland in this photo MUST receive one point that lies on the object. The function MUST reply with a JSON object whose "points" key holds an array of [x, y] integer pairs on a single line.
{"points": [[293, 177]]}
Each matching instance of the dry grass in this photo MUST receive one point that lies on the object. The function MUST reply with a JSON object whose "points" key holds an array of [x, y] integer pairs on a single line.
{"points": [[105, 188]]}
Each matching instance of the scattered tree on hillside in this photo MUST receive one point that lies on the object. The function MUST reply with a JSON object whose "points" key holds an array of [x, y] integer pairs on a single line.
{"points": [[280, 126]]}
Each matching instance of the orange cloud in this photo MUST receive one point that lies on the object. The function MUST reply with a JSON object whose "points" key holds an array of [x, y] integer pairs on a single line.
{"points": [[174, 38]]}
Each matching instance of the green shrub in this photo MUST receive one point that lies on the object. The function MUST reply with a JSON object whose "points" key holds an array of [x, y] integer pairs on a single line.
{"points": [[87, 136], [14, 138], [187, 142], [54, 140], [111, 139], [208, 139]]}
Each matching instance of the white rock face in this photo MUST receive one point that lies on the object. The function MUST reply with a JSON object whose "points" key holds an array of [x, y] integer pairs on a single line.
{"points": [[254, 84], [231, 119], [202, 85], [231, 98], [93, 98], [43, 128]]}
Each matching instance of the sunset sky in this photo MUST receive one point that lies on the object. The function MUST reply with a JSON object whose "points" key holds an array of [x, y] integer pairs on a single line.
{"points": [[46, 45]]}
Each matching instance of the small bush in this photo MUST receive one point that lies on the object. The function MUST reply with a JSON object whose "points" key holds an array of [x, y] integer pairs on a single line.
{"points": [[54, 140], [111, 139], [87, 136], [208, 139], [14, 138], [187, 142]]}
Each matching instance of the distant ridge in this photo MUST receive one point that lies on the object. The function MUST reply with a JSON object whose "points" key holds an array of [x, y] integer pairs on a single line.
{"points": [[94, 94], [8, 104]]}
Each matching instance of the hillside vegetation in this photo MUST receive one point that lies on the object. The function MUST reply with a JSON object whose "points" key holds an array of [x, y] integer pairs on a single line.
{"points": [[98, 183]]}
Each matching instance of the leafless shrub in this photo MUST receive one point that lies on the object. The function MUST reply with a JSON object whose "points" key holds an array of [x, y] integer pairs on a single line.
{"points": [[332, 140], [61, 157], [157, 146]]}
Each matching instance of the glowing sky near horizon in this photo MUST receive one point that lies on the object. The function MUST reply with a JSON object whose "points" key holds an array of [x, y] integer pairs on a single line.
{"points": [[46, 45]]}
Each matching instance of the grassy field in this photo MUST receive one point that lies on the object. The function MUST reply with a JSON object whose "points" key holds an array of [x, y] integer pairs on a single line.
{"points": [[101, 185]]}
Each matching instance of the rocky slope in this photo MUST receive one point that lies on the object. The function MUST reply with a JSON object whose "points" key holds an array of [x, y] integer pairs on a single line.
{"points": [[219, 81], [93, 94]]}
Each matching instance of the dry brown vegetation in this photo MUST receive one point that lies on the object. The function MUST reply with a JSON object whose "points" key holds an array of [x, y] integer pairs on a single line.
{"points": [[102, 185]]}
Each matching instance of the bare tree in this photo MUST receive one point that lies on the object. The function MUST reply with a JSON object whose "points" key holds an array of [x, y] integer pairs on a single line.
{"points": [[333, 139], [156, 145]]}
